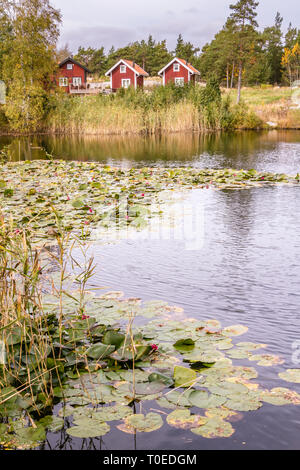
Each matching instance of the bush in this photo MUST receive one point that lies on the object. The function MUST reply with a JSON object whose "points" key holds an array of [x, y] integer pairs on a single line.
{"points": [[3, 120]]}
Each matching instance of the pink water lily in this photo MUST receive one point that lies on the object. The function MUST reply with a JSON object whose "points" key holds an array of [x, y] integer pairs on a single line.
{"points": [[154, 347]]}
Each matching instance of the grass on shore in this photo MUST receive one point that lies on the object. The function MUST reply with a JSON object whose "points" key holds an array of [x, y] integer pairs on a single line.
{"points": [[273, 104], [165, 109]]}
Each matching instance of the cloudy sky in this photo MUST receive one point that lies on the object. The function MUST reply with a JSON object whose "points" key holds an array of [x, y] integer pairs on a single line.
{"points": [[106, 22]]}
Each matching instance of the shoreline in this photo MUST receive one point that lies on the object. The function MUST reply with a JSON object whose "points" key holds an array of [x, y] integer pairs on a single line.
{"points": [[149, 134]]}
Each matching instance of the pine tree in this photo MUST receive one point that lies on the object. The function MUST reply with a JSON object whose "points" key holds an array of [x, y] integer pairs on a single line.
{"points": [[274, 49], [185, 50], [243, 18]]}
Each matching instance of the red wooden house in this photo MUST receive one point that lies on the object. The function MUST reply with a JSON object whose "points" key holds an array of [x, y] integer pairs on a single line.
{"points": [[178, 71], [126, 73], [71, 75]]}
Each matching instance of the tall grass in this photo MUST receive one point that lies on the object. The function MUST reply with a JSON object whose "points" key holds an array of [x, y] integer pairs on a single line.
{"points": [[33, 338], [165, 109]]}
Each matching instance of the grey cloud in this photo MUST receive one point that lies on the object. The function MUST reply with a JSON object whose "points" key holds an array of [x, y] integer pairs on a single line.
{"points": [[97, 36], [191, 11]]}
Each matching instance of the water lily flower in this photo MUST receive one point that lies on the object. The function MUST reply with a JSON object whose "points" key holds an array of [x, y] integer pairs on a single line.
{"points": [[154, 347], [143, 195], [84, 317], [90, 210]]}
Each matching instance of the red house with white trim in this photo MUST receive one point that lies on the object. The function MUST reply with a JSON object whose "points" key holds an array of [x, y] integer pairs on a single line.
{"points": [[71, 75], [126, 73], [179, 71]]}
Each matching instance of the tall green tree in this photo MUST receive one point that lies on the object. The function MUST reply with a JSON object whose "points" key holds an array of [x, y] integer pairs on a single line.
{"points": [[291, 37], [219, 57], [185, 50], [30, 66], [243, 17], [93, 59], [274, 49]]}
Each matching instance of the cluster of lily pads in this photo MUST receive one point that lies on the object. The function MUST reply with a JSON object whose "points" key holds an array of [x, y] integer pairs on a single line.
{"points": [[183, 365], [98, 370], [86, 194]]}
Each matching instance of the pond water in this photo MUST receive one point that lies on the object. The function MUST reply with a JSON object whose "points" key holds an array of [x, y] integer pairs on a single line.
{"points": [[266, 151], [246, 271]]}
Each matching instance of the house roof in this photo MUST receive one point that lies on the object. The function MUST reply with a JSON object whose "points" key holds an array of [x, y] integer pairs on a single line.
{"points": [[70, 59], [132, 65], [186, 64]]}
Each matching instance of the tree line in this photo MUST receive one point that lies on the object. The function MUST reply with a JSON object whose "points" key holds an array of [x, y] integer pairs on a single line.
{"points": [[240, 53]]}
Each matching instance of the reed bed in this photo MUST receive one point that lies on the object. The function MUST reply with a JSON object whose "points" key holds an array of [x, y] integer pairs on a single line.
{"points": [[164, 110]]}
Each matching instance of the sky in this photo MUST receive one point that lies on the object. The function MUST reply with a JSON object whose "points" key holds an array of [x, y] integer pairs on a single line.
{"points": [[105, 23]]}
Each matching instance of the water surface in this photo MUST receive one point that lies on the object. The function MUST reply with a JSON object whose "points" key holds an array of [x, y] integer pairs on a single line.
{"points": [[247, 270]]}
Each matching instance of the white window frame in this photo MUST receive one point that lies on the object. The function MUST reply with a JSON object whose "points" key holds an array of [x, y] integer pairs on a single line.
{"points": [[176, 67], [125, 81], [69, 66], [179, 81], [123, 68], [63, 81], [77, 81]]}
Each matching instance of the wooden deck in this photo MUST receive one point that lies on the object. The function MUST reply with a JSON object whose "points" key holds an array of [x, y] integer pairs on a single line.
{"points": [[85, 91]]}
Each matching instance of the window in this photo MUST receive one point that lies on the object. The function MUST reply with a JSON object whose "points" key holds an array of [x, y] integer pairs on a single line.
{"points": [[63, 81], [179, 81], [77, 81], [176, 67], [123, 69], [125, 82], [69, 66]]}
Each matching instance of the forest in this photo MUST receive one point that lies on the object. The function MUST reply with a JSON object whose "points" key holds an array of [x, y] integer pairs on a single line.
{"points": [[240, 54]]}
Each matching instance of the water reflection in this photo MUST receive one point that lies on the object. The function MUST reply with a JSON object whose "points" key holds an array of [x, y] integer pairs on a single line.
{"points": [[261, 150], [247, 272]]}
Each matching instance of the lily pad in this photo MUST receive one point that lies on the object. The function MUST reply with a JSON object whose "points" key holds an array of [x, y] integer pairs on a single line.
{"points": [[243, 403], [100, 351], [184, 377], [144, 423], [266, 360], [203, 399], [280, 396], [214, 428], [88, 428], [235, 330], [290, 375], [182, 419]]}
